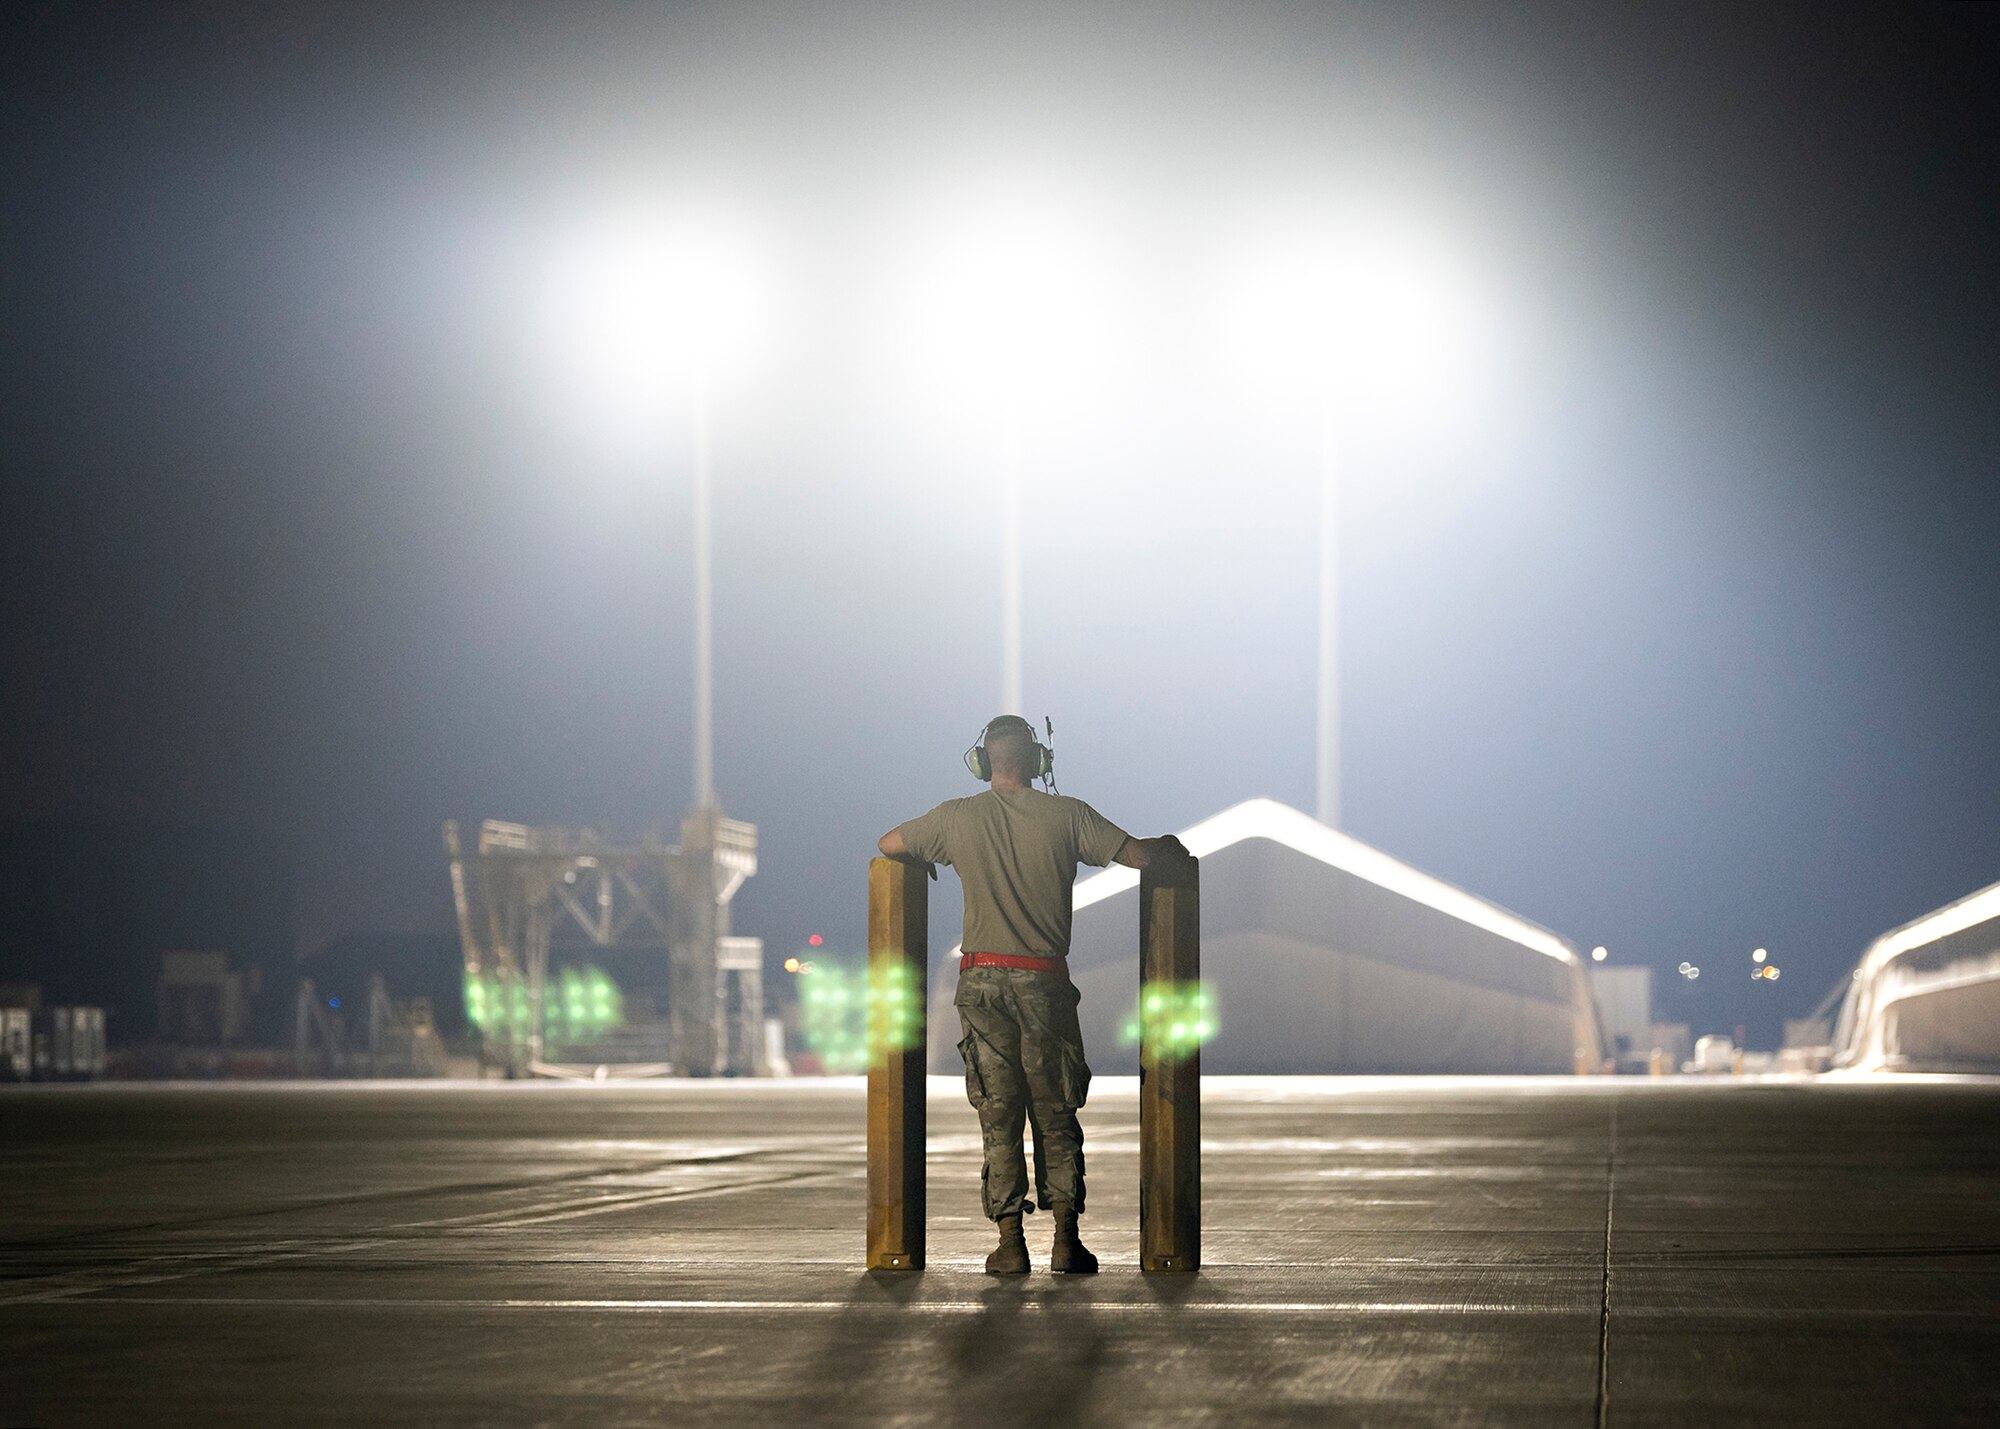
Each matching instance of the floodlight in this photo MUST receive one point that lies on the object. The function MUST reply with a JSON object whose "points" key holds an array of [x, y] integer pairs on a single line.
{"points": [[1000, 312], [1001, 300], [643, 304], [1599, 953], [1367, 315]]}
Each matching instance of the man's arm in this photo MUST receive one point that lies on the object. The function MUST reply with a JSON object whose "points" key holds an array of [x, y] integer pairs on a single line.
{"points": [[1142, 853], [892, 845]]}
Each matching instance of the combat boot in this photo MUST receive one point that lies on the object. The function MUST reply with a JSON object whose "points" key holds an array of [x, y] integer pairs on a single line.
{"points": [[1010, 1257], [1069, 1254]]}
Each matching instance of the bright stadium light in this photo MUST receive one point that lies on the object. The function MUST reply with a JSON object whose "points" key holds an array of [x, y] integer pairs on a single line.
{"points": [[1371, 322], [647, 306], [1378, 320], [1002, 316], [1003, 300]]}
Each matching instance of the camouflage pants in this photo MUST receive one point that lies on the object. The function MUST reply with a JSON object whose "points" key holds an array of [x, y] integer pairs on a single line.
{"points": [[1024, 1061]]}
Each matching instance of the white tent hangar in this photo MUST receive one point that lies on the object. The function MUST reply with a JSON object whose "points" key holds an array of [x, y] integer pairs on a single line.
{"points": [[1926, 996], [1325, 955]]}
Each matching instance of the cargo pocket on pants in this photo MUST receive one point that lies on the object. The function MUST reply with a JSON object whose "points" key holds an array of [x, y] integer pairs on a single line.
{"points": [[1073, 1076], [975, 1084], [1075, 1072]]}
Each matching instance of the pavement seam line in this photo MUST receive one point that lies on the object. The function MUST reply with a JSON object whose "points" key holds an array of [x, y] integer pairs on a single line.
{"points": [[640, 1200], [805, 1146], [1604, 1309], [113, 1278]]}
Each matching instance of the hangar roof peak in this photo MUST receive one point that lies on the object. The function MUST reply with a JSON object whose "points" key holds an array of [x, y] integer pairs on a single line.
{"points": [[1288, 827], [1967, 912]]}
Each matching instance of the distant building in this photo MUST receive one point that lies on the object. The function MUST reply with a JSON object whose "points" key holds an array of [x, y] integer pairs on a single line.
{"points": [[1926, 996], [88, 908], [1625, 1003], [203, 1001], [1326, 955], [47, 1042]]}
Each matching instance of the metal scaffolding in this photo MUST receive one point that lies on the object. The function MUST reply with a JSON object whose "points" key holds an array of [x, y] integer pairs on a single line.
{"points": [[524, 883]]}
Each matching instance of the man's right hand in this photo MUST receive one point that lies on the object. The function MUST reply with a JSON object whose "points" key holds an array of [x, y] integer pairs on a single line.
{"points": [[1169, 849], [1165, 850]]}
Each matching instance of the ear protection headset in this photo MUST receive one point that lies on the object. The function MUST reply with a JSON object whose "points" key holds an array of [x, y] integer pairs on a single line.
{"points": [[1042, 764]]}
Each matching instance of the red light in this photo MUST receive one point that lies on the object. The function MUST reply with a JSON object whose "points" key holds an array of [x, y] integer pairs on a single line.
{"points": [[815, 940]]}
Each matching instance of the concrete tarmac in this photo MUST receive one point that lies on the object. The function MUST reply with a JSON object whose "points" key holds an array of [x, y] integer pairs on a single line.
{"points": [[1379, 1252]]}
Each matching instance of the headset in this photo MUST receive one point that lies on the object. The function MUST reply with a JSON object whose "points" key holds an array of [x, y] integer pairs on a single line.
{"points": [[1044, 761]]}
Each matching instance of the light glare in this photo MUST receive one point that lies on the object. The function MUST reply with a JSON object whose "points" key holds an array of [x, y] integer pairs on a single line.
{"points": [[1374, 317], [642, 305], [1002, 300]]}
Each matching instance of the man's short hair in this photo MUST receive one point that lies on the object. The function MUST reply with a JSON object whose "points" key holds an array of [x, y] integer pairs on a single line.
{"points": [[1011, 739]]}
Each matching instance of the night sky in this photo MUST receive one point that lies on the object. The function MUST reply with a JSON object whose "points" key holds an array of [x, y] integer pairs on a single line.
{"points": [[1675, 631]]}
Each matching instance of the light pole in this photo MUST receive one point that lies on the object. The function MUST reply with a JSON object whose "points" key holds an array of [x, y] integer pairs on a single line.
{"points": [[1002, 307], [647, 305], [1364, 323], [1011, 699], [651, 305], [704, 598], [1327, 745]]}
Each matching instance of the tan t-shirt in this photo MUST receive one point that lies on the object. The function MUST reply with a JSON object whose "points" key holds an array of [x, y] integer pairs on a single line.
{"points": [[1016, 852]]}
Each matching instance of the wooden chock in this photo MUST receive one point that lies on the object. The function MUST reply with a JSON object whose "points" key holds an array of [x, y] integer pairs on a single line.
{"points": [[898, 963], [1174, 1019]]}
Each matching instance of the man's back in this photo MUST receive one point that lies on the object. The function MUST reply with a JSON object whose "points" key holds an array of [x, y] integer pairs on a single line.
{"points": [[1016, 852]]}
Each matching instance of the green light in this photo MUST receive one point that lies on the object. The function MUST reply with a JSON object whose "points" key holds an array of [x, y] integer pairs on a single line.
{"points": [[1172, 1020], [475, 1000], [835, 1006], [895, 1020], [850, 1016]]}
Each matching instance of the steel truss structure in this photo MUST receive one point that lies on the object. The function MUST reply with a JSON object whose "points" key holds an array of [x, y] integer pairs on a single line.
{"points": [[523, 884]]}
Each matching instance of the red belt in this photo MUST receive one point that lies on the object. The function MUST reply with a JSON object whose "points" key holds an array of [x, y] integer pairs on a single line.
{"points": [[968, 961]]}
